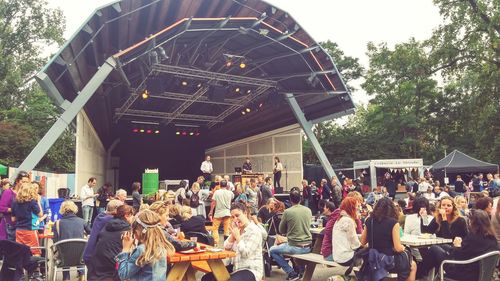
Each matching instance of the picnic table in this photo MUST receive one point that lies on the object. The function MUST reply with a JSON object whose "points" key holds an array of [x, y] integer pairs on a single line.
{"points": [[186, 265], [419, 241]]}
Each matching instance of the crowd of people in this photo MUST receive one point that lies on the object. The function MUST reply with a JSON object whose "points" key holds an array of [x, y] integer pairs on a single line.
{"points": [[133, 242]]}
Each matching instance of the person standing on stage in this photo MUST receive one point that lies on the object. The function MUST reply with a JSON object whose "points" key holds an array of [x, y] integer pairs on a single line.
{"points": [[278, 167], [247, 166], [207, 168]]}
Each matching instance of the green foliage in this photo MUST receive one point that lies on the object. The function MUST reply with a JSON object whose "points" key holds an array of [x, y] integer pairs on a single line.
{"points": [[27, 27], [428, 97]]}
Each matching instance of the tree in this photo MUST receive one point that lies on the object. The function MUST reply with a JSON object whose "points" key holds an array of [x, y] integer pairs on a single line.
{"points": [[27, 28]]}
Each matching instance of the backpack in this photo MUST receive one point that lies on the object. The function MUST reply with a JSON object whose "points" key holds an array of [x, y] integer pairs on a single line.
{"points": [[194, 201]]}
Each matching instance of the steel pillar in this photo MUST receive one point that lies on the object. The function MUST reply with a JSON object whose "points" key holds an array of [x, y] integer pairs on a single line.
{"points": [[67, 117], [307, 127]]}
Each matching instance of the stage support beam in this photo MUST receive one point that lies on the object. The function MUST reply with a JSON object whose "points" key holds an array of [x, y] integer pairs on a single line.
{"points": [[308, 130], [67, 117]]}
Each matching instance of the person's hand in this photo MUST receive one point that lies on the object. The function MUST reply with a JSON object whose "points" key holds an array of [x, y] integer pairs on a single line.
{"points": [[235, 233], [457, 242], [127, 241], [422, 212], [442, 212]]}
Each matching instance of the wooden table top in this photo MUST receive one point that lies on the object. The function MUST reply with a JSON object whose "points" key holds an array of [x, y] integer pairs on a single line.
{"points": [[318, 230], [203, 256], [417, 240]]}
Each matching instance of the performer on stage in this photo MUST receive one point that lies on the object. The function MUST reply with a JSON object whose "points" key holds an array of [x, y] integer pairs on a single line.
{"points": [[278, 167], [247, 167], [207, 169]]}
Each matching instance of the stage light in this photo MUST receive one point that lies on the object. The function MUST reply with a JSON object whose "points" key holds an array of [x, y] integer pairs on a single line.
{"points": [[142, 131], [243, 112], [248, 109], [198, 133], [237, 90], [191, 133], [229, 63], [149, 131], [199, 85], [249, 91], [177, 133], [145, 94], [184, 83], [242, 65], [184, 133], [157, 131], [135, 130]]}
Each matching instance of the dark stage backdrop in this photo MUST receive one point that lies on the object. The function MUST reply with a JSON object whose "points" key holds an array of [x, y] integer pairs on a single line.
{"points": [[176, 157]]}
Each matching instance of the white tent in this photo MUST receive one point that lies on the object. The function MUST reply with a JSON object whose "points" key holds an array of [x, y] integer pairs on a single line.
{"points": [[372, 165]]}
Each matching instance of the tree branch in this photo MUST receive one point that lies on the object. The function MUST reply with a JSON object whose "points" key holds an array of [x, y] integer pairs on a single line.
{"points": [[483, 16]]}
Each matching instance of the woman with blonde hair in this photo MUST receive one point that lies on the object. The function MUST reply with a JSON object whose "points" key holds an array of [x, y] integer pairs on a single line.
{"points": [[26, 204], [192, 223], [461, 203], [195, 202], [69, 226], [447, 222], [147, 261]]}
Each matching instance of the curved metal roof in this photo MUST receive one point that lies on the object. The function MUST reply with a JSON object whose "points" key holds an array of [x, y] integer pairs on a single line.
{"points": [[188, 55]]}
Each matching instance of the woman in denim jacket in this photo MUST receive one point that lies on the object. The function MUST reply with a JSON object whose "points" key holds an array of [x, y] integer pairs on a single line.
{"points": [[148, 261]]}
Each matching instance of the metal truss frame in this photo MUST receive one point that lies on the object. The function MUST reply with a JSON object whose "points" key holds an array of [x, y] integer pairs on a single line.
{"points": [[166, 115]]}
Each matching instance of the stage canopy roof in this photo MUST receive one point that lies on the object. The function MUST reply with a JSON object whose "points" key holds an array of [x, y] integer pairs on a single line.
{"points": [[459, 162], [223, 66]]}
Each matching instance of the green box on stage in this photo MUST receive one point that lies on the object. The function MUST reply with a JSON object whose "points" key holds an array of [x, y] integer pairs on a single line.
{"points": [[150, 181]]}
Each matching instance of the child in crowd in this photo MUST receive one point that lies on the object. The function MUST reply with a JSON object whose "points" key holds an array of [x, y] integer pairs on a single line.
{"points": [[27, 203]]}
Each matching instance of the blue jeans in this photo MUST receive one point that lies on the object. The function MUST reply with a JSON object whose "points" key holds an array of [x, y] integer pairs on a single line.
{"points": [[87, 214], [11, 232], [101, 210], [278, 251]]}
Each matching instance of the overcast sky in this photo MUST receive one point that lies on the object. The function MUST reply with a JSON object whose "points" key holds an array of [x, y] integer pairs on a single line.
{"points": [[349, 23]]}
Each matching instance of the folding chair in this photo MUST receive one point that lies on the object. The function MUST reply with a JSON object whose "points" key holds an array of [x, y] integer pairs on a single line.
{"points": [[487, 265], [68, 253]]}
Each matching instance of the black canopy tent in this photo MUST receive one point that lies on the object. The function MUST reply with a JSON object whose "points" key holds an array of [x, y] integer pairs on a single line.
{"points": [[459, 162]]}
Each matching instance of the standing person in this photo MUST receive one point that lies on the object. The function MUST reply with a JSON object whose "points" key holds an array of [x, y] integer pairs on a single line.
{"points": [[382, 234], [219, 211], [336, 191], [247, 166], [278, 167], [391, 186], [103, 195], [87, 195], [26, 204], [109, 244], [324, 190], [100, 221], [306, 193], [44, 203], [69, 227], [207, 168], [459, 185], [230, 184], [295, 223], [136, 196], [8, 197], [194, 200], [148, 260], [265, 190], [254, 194]]}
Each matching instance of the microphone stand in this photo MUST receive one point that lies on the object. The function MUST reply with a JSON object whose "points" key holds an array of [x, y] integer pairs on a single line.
{"points": [[286, 178]]}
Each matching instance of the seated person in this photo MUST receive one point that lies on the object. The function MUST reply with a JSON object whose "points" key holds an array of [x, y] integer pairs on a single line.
{"points": [[109, 244], [266, 211], [346, 241], [68, 227], [326, 245], [192, 223], [480, 240], [247, 166], [174, 212]]}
